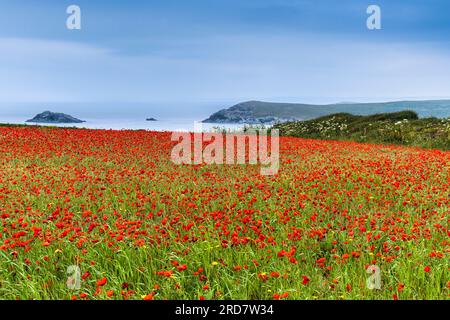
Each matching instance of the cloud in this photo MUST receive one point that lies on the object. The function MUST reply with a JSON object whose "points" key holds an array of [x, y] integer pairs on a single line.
{"points": [[304, 67]]}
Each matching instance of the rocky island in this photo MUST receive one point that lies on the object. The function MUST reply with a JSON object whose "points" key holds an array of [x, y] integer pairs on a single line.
{"points": [[54, 117], [151, 119]]}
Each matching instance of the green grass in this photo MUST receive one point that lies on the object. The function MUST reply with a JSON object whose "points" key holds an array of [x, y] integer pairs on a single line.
{"points": [[402, 128], [330, 199]]}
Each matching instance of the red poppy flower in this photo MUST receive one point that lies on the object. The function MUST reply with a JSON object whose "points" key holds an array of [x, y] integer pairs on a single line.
{"points": [[101, 282], [148, 297], [182, 267]]}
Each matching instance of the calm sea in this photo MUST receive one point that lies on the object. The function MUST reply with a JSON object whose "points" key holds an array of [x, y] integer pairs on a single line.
{"points": [[180, 125], [118, 116], [170, 116]]}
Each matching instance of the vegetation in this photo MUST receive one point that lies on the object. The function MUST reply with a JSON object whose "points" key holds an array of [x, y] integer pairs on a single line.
{"points": [[404, 128], [46, 126], [105, 214]]}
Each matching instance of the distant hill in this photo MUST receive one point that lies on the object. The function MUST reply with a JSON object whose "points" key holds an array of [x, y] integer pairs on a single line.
{"points": [[257, 112], [54, 117], [403, 128]]}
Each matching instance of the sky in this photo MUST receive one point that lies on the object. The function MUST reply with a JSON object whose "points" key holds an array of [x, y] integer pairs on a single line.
{"points": [[221, 52]]}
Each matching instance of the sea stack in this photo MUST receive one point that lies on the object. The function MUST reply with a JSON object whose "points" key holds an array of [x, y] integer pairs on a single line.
{"points": [[54, 117]]}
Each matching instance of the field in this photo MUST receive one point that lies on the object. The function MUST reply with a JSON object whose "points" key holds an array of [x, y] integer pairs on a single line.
{"points": [[137, 226]]}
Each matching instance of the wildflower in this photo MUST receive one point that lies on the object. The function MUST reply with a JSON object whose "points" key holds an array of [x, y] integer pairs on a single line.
{"points": [[274, 274], [148, 297], [263, 276], [101, 282], [182, 267]]}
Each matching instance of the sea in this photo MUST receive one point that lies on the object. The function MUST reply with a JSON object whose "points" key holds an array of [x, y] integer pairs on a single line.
{"points": [[177, 116], [172, 125]]}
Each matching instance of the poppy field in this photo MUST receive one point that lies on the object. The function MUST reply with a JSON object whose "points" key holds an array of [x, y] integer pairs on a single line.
{"points": [[112, 205]]}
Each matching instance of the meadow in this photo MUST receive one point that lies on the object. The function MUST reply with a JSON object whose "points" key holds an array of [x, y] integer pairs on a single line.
{"points": [[137, 226]]}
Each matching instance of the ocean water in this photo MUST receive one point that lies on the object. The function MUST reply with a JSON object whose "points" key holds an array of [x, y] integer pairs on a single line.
{"points": [[178, 125], [175, 116]]}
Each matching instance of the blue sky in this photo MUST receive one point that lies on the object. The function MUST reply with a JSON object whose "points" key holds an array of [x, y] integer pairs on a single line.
{"points": [[223, 51]]}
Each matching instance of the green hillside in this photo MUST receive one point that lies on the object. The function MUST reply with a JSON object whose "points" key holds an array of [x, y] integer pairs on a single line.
{"points": [[403, 128], [254, 112]]}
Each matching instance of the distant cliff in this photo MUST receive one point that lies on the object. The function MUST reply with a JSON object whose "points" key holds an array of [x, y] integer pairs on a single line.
{"points": [[258, 112], [54, 117]]}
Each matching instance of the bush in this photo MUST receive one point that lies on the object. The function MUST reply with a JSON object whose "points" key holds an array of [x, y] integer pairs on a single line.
{"points": [[403, 128]]}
